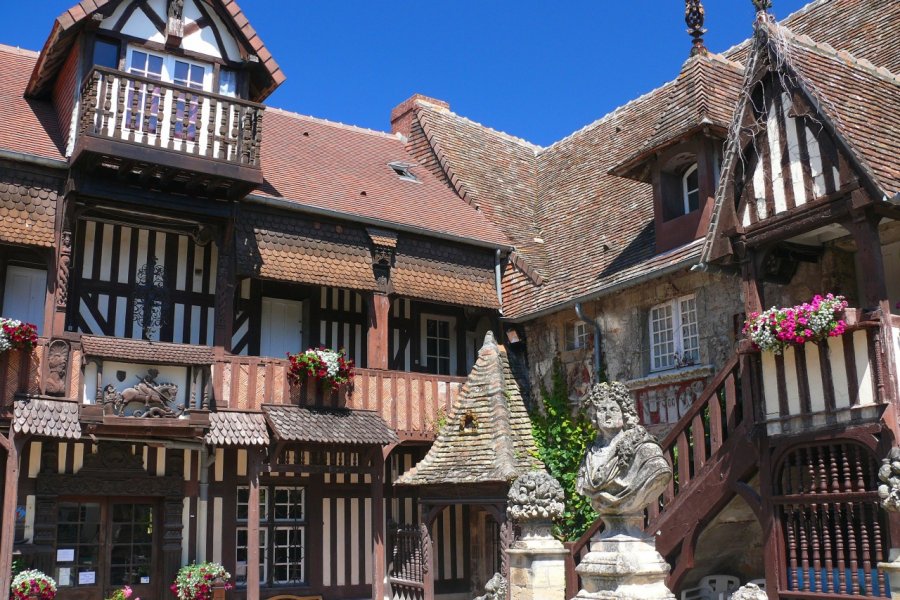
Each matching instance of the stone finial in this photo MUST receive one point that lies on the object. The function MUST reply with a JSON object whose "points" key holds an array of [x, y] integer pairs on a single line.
{"points": [[749, 591], [495, 588], [762, 5], [889, 475], [535, 496], [694, 17]]}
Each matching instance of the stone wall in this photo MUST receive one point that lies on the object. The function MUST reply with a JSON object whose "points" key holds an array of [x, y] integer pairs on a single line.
{"points": [[624, 321]]}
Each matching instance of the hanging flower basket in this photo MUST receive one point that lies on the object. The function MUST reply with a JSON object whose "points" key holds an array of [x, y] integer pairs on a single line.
{"points": [[32, 584], [331, 367], [197, 581], [16, 335], [777, 328]]}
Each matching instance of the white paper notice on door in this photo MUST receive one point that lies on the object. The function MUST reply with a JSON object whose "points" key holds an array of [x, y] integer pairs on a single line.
{"points": [[145, 579], [65, 555], [86, 578], [64, 577]]}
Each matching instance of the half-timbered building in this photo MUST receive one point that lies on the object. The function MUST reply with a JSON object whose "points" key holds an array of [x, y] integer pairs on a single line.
{"points": [[173, 239]]}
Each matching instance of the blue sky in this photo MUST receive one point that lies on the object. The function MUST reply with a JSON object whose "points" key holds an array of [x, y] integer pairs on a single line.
{"points": [[533, 68]]}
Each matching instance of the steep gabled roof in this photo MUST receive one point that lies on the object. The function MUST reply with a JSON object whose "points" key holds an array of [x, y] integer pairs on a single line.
{"points": [[71, 22], [858, 103], [487, 438]]}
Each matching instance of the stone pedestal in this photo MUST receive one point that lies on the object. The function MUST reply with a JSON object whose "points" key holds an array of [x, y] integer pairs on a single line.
{"points": [[892, 570], [537, 564], [623, 564]]}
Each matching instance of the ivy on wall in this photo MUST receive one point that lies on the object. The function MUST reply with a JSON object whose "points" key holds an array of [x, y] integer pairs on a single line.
{"points": [[562, 438]]}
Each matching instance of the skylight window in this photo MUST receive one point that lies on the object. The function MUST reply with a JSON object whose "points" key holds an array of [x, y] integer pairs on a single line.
{"points": [[402, 171]]}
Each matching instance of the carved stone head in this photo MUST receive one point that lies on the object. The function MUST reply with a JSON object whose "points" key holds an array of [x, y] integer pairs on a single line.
{"points": [[889, 475], [610, 408]]}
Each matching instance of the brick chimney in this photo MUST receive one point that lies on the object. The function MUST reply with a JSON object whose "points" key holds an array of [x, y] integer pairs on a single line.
{"points": [[401, 116]]}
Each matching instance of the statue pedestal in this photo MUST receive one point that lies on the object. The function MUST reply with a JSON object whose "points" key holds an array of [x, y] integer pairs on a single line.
{"points": [[623, 564], [537, 565], [892, 570]]}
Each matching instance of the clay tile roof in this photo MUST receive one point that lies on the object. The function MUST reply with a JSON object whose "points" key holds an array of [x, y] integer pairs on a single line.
{"points": [[228, 428], [703, 95], [344, 169], [28, 205], [382, 237], [66, 25], [487, 438], [143, 351], [47, 418], [26, 126], [328, 425], [861, 102]]}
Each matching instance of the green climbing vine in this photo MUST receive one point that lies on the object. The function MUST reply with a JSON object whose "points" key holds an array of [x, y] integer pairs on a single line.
{"points": [[562, 438]]}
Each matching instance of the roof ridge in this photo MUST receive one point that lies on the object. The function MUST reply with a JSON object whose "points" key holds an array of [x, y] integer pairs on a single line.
{"points": [[338, 124], [594, 124], [829, 51], [797, 13], [18, 50], [507, 136]]}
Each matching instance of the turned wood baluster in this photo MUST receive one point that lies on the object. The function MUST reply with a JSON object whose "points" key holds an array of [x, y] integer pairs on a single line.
{"points": [[851, 549], [866, 556], [222, 135], [804, 549], [134, 90], [826, 549], [120, 108], [234, 138], [148, 106], [858, 459], [878, 549], [822, 470], [257, 138], [246, 136], [211, 128], [846, 480], [160, 115], [173, 118], [816, 577], [107, 103], [186, 121], [792, 546], [839, 548]]}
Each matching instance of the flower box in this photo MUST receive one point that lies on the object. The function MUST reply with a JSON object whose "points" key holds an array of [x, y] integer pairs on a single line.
{"points": [[330, 367], [775, 329], [16, 335]]}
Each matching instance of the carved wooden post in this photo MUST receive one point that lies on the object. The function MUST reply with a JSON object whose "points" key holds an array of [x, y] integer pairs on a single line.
{"points": [[13, 446], [225, 286], [378, 570], [254, 458], [377, 340]]}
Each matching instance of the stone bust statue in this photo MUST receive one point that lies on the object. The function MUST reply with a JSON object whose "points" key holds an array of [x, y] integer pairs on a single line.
{"points": [[624, 470]]}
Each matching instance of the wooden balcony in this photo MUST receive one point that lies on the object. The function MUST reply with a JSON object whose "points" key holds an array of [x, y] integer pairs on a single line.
{"points": [[413, 404], [169, 137]]}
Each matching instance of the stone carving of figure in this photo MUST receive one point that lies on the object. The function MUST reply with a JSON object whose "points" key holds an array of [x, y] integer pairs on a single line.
{"points": [[624, 470], [495, 589], [889, 475], [749, 591], [176, 9]]}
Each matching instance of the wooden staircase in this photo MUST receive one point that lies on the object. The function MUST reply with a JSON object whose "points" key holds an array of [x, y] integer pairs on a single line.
{"points": [[712, 456]]}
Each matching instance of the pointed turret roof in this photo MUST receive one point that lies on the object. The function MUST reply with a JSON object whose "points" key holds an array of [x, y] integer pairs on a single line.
{"points": [[487, 438]]}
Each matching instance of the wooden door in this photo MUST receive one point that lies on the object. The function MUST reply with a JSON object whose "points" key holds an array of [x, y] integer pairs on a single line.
{"points": [[104, 544], [281, 329]]}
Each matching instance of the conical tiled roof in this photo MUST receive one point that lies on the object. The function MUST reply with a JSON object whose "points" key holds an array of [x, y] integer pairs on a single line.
{"points": [[487, 438]]}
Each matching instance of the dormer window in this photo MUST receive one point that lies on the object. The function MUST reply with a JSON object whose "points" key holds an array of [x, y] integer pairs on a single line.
{"points": [[402, 171], [690, 188]]}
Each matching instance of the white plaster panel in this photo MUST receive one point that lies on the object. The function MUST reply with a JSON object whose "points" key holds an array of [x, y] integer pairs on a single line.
{"points": [[839, 372], [770, 384], [863, 368], [814, 377], [791, 383]]}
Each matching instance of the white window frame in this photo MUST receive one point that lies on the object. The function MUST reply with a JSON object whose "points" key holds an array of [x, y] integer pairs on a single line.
{"points": [[424, 340], [270, 523], [168, 66], [577, 335], [679, 339], [685, 192]]}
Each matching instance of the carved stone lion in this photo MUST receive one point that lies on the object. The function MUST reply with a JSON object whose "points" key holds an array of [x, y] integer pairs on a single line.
{"points": [[495, 589]]}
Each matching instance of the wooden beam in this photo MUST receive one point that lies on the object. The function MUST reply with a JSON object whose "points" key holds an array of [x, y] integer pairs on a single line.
{"points": [[377, 340], [378, 533], [14, 447], [254, 458]]}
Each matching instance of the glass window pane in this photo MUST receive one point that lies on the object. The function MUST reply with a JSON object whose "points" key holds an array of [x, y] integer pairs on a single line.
{"points": [[106, 53], [154, 66], [227, 83], [138, 61]]}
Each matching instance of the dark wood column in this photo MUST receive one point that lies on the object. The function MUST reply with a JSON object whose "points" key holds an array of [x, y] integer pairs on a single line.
{"points": [[378, 541], [751, 287], [225, 286], [873, 292], [379, 313], [254, 459], [13, 446]]}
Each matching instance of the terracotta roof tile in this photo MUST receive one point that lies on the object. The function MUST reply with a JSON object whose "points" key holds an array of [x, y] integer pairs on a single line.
{"points": [[304, 251], [237, 429], [47, 418], [27, 126], [143, 351], [27, 205], [438, 271], [487, 437], [382, 237], [341, 168], [328, 425]]}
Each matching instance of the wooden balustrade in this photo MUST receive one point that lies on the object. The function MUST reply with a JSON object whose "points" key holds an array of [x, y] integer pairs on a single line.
{"points": [[411, 403], [145, 112]]}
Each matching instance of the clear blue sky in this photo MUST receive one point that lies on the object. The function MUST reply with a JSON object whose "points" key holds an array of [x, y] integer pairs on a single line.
{"points": [[537, 69]]}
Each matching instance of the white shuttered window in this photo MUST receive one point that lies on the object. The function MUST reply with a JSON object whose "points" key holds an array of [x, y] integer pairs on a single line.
{"points": [[674, 337]]}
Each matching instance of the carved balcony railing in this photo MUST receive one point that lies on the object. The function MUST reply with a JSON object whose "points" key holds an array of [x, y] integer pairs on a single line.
{"points": [[157, 133], [413, 404]]}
